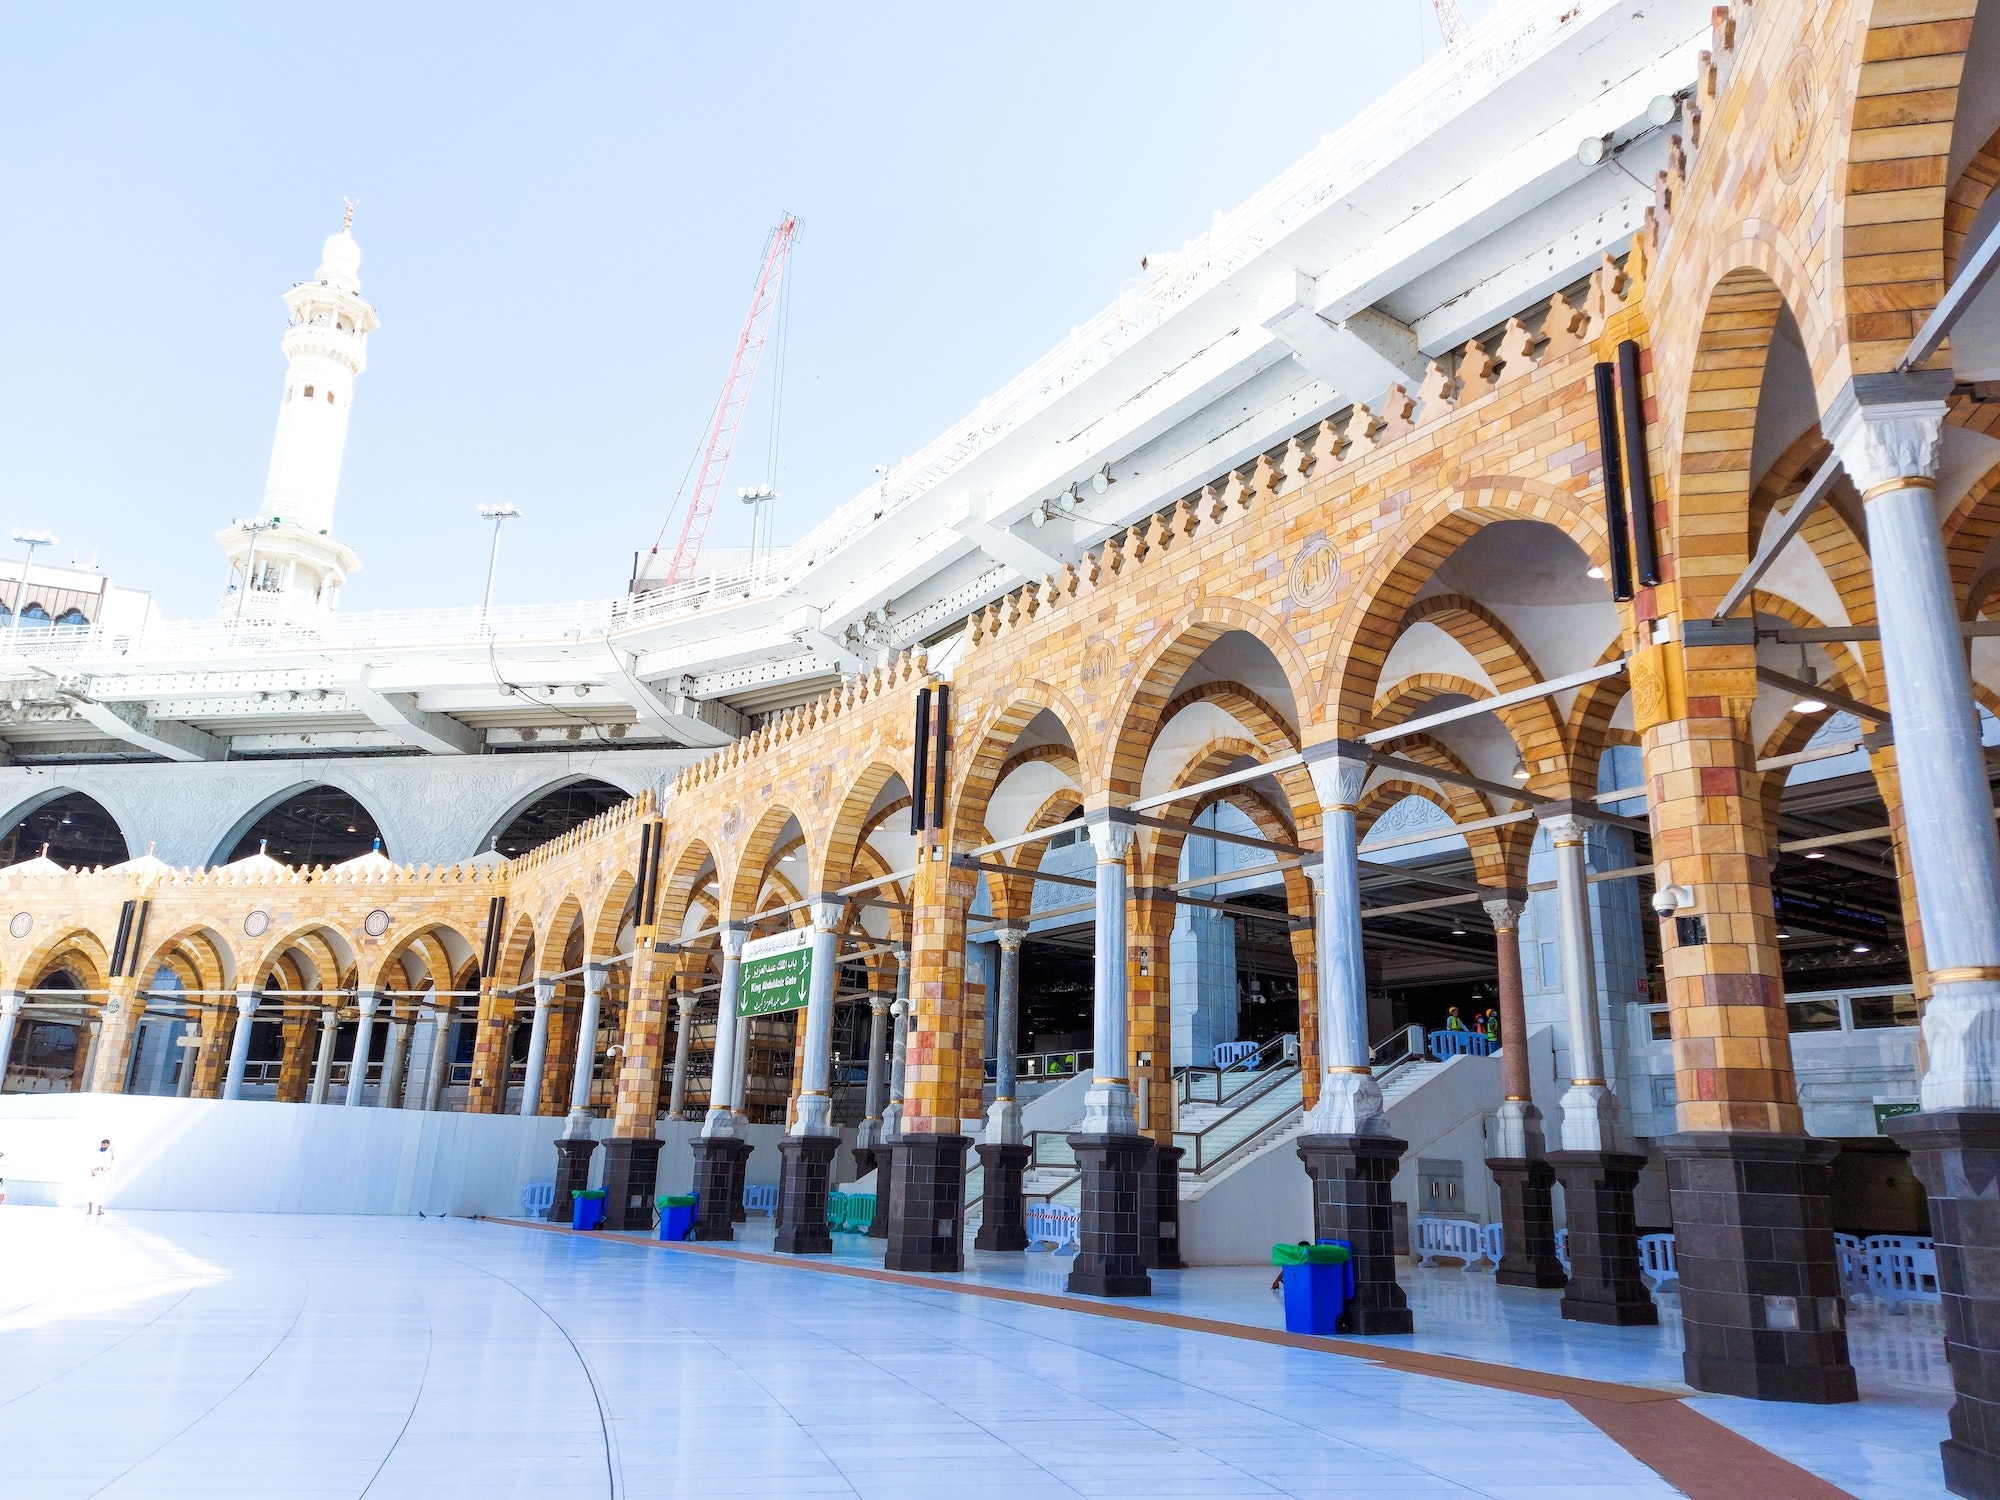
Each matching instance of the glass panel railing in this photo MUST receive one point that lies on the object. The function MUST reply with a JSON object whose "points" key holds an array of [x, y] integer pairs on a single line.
{"points": [[1873, 1012], [1819, 1013]]}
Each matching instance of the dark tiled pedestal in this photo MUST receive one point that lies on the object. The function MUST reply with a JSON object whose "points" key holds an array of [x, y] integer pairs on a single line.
{"points": [[741, 1166], [1111, 1258], [631, 1175], [1604, 1284], [1167, 1207], [1955, 1153], [805, 1174], [1528, 1222], [1760, 1284], [927, 1204], [1351, 1176], [1003, 1211], [718, 1167], [885, 1165], [572, 1175]]}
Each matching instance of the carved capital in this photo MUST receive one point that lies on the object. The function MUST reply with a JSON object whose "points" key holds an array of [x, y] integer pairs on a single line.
{"points": [[247, 1002], [733, 935], [1011, 938], [1879, 442], [1566, 828], [545, 991], [594, 975], [827, 912], [1111, 834], [367, 1002], [1505, 910], [1339, 770]]}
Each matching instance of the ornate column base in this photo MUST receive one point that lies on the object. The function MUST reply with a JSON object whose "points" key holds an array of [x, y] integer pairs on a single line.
{"points": [[884, 1155], [1167, 1207], [1003, 1220], [572, 1175], [1351, 1177], [1528, 1222], [1760, 1286], [1111, 1254], [1955, 1153], [631, 1178], [1604, 1283], [804, 1177], [718, 1167], [927, 1204]]}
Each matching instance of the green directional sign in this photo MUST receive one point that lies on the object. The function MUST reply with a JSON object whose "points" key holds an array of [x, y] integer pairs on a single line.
{"points": [[777, 974]]}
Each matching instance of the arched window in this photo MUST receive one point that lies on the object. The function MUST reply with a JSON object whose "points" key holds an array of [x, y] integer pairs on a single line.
{"points": [[34, 617], [319, 826], [76, 828], [555, 814], [72, 619]]}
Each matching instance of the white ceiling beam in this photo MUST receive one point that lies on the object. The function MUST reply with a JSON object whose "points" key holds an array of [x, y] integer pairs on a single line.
{"points": [[1359, 356], [133, 725], [398, 713]]}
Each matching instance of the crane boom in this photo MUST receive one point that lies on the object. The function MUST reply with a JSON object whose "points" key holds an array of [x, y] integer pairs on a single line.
{"points": [[729, 406], [1451, 21]]}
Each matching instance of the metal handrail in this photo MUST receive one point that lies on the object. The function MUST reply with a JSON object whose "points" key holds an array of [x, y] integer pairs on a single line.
{"points": [[1246, 1069], [1197, 1138]]}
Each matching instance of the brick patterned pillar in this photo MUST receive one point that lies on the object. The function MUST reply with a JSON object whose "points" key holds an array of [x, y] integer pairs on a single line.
{"points": [[1305, 953], [1149, 1008], [632, 1150], [972, 1074], [927, 1181], [489, 1051], [211, 1059], [123, 1009], [1759, 1282], [1518, 1163], [298, 1032]]}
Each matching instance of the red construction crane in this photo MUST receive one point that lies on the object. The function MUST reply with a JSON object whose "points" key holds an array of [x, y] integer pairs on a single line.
{"points": [[729, 408], [1451, 21]]}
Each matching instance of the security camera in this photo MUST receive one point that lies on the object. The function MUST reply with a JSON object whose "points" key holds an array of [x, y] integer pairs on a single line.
{"points": [[1669, 899]]}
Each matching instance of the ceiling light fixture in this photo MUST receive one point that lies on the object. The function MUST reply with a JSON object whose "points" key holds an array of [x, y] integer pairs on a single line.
{"points": [[1520, 771], [1593, 571], [1815, 854], [1861, 948]]}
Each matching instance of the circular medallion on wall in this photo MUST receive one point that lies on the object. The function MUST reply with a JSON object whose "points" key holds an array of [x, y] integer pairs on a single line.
{"points": [[257, 924], [22, 925], [1314, 572], [375, 923], [1099, 662], [1797, 109]]}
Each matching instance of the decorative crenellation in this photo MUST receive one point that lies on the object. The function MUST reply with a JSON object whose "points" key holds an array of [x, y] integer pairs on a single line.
{"points": [[1554, 331], [1727, 27], [908, 670], [611, 819]]}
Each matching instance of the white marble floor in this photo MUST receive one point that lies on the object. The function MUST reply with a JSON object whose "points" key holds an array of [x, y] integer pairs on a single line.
{"points": [[157, 1354]]}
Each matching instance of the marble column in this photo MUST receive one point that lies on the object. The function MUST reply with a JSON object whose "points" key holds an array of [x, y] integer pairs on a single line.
{"points": [[10, 1018], [1597, 1173], [1003, 1121], [720, 1151], [685, 1002], [1347, 1149], [1003, 1158], [805, 1171], [878, 1073], [395, 1061], [538, 1047], [892, 1121], [1519, 1162], [1110, 1153], [367, 1002], [1889, 438], [239, 1043], [437, 1067], [329, 1033], [586, 1046]]}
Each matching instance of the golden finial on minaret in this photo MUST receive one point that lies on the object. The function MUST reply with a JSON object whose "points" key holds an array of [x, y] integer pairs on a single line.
{"points": [[347, 223]]}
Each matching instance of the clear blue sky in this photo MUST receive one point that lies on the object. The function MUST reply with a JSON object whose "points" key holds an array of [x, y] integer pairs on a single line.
{"points": [[562, 210]]}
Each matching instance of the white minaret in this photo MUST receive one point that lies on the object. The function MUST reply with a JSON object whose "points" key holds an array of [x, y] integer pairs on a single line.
{"points": [[295, 566]]}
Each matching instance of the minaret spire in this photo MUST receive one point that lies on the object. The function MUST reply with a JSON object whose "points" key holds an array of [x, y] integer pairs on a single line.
{"points": [[291, 565]]}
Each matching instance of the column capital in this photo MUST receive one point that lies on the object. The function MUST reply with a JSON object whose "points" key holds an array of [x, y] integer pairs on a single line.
{"points": [[545, 991], [594, 976], [247, 1001], [1504, 908], [827, 909], [1339, 769], [1886, 428], [11, 1002], [368, 1001], [879, 1004], [686, 1000], [902, 954], [1566, 822], [1010, 938], [733, 936], [1111, 833]]}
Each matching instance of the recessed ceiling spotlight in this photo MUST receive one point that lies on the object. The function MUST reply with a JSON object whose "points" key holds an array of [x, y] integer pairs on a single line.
{"points": [[1860, 947], [1593, 571], [1815, 854]]}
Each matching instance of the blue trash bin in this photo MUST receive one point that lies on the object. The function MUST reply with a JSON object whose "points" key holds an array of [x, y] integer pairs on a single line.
{"points": [[589, 1210], [1316, 1295], [677, 1216]]}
